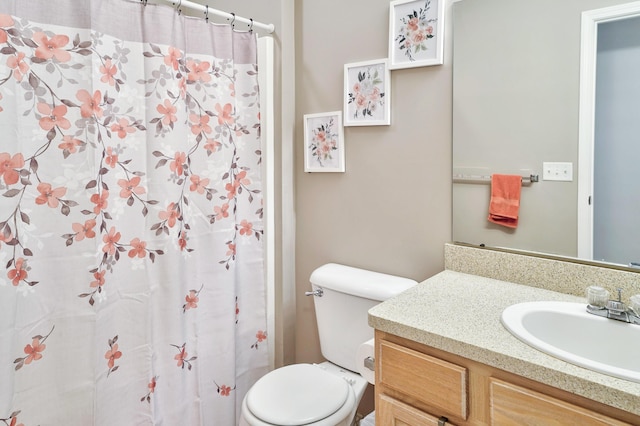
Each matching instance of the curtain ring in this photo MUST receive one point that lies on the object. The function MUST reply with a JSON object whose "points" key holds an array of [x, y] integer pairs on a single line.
{"points": [[251, 26], [144, 2], [206, 13], [233, 21], [178, 7]]}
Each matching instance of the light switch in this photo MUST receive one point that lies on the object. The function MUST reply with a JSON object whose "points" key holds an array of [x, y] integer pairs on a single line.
{"points": [[557, 171]]}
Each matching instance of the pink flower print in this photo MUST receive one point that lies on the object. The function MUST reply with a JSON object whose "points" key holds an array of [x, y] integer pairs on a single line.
{"points": [[33, 351], [412, 24], [212, 146], [52, 47], [224, 114], [138, 248], [8, 166], [246, 228], [90, 104], [192, 300], [84, 230], [232, 89], [222, 211], [198, 71], [200, 124], [172, 58], [130, 187], [99, 279], [5, 21], [111, 158], [170, 215], [231, 251], [112, 355], [108, 70], [6, 235], [182, 85], [177, 165], [181, 357], [198, 185], [49, 196], [52, 117], [225, 390], [18, 65], [241, 178], [261, 336], [14, 422], [152, 385], [19, 273], [69, 144], [168, 111], [182, 240], [110, 241], [100, 200], [231, 189], [122, 127]]}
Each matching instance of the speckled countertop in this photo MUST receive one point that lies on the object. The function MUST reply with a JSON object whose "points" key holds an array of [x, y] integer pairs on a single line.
{"points": [[460, 313]]}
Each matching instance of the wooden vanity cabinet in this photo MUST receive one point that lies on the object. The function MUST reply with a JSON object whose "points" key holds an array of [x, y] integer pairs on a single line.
{"points": [[417, 385]]}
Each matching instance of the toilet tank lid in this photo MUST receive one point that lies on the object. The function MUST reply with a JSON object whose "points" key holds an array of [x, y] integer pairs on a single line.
{"points": [[360, 282]]}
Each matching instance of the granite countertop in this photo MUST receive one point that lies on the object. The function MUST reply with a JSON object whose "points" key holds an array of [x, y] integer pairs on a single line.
{"points": [[460, 314]]}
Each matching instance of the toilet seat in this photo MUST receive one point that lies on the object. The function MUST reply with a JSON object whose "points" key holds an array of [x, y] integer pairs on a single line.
{"points": [[299, 394]]}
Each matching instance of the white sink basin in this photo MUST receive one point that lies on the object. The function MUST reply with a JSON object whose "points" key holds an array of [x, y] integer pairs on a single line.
{"points": [[565, 330]]}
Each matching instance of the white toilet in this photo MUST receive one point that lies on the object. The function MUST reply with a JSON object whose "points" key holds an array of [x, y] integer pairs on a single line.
{"points": [[326, 394]]}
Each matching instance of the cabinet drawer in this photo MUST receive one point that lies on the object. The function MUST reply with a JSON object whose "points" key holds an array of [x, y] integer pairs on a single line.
{"points": [[434, 382], [515, 405], [392, 412]]}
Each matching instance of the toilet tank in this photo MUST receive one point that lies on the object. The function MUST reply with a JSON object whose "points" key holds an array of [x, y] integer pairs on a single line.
{"points": [[342, 311]]}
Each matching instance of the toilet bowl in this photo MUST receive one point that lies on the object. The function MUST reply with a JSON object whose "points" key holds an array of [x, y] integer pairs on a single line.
{"points": [[304, 394]]}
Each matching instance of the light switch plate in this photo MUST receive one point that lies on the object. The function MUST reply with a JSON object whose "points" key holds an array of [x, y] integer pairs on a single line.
{"points": [[557, 171]]}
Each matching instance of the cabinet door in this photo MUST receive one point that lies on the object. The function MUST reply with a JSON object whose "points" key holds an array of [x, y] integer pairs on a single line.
{"points": [[515, 405], [392, 412]]}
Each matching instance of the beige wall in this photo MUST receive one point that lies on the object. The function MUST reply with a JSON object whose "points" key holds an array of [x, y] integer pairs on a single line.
{"points": [[391, 211]]}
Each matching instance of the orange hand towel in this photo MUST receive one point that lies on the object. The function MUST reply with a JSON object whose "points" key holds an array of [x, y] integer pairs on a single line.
{"points": [[505, 200]]}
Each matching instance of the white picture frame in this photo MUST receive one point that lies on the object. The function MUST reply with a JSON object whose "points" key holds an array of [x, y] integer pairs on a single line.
{"points": [[324, 142], [367, 93], [416, 33]]}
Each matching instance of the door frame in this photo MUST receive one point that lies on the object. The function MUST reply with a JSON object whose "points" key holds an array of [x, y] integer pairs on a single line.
{"points": [[586, 130]]}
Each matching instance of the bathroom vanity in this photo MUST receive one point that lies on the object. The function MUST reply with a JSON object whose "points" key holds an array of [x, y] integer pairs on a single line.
{"points": [[443, 356]]}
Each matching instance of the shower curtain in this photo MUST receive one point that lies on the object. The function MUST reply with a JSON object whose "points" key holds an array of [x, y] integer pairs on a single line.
{"points": [[131, 264]]}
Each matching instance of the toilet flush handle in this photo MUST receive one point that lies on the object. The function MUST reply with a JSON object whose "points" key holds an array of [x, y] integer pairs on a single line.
{"points": [[318, 292]]}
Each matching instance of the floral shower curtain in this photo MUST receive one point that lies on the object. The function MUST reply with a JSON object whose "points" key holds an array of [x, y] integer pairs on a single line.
{"points": [[131, 280]]}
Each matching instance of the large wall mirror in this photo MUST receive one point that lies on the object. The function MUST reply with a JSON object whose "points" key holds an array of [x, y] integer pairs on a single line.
{"points": [[516, 107]]}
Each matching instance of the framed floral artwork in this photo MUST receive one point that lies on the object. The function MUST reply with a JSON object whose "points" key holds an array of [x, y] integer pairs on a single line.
{"points": [[416, 33], [323, 142], [367, 93]]}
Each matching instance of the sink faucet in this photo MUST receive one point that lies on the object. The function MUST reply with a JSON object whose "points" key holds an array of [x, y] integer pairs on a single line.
{"points": [[613, 309]]}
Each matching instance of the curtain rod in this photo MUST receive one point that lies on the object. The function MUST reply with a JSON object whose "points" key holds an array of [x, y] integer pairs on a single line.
{"points": [[229, 16]]}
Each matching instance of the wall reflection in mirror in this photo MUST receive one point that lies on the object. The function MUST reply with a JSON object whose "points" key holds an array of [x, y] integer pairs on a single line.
{"points": [[517, 105]]}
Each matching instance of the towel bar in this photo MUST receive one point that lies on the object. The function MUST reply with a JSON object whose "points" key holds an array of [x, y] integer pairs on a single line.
{"points": [[487, 178]]}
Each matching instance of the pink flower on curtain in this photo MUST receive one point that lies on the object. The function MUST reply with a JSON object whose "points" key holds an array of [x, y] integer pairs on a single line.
{"points": [[130, 187], [200, 124], [112, 355], [225, 116], [5, 21], [168, 110], [100, 200], [231, 249], [52, 117], [111, 158], [99, 279], [261, 336], [178, 164], [19, 273], [152, 387], [33, 351], [212, 146], [122, 128], [173, 57], [108, 71], [192, 299], [69, 145], [170, 215], [110, 241], [90, 103], [14, 419], [198, 71], [85, 230], [17, 64], [52, 47], [246, 228], [222, 211], [8, 166], [181, 357], [182, 241], [224, 390], [48, 195], [138, 248], [197, 184]]}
